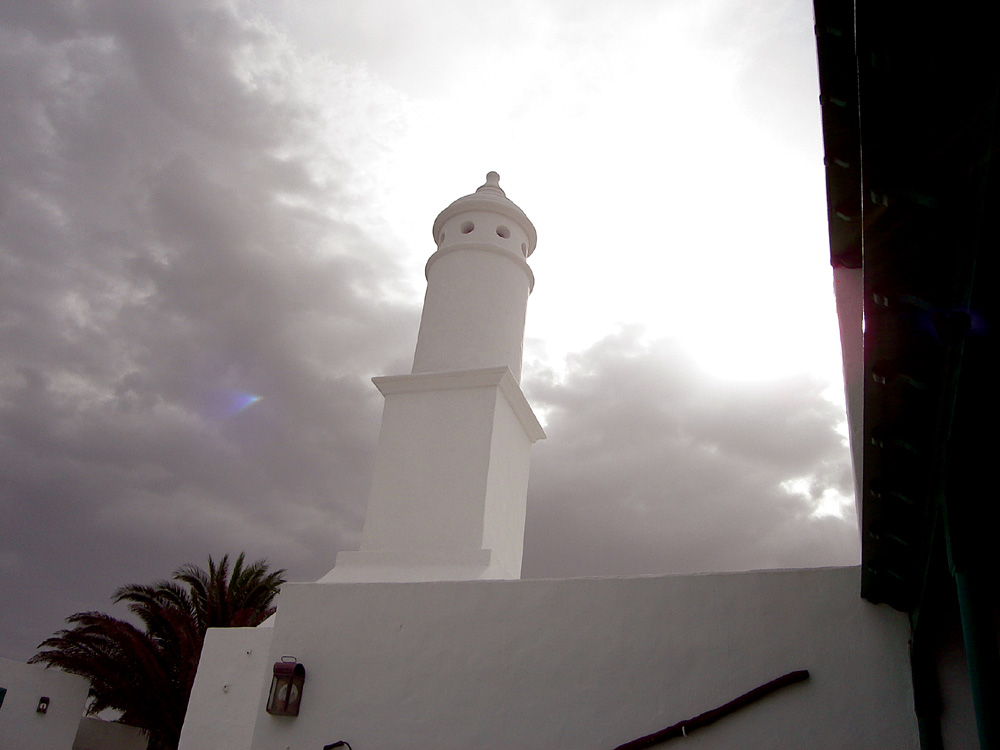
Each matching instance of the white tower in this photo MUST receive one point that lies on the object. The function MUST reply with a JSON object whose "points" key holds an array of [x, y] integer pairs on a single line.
{"points": [[451, 473]]}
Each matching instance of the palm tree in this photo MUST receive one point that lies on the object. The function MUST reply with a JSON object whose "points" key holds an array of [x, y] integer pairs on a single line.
{"points": [[147, 673], [242, 601]]}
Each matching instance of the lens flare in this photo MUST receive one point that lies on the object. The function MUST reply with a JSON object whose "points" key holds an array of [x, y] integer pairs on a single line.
{"points": [[240, 400], [222, 403]]}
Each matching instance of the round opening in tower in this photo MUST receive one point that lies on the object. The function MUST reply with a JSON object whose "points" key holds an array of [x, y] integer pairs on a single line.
{"points": [[503, 231], [467, 227]]}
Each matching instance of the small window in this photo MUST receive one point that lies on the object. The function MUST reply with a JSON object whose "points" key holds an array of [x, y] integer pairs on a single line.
{"points": [[467, 227], [503, 231]]}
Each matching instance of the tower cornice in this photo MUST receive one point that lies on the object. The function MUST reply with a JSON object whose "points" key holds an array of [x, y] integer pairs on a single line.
{"points": [[479, 378], [486, 248]]}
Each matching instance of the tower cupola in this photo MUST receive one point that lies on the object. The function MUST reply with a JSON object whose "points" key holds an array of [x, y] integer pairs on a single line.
{"points": [[489, 199], [478, 282]]}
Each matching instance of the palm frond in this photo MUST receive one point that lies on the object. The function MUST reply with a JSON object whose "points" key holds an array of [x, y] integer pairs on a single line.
{"points": [[147, 673]]}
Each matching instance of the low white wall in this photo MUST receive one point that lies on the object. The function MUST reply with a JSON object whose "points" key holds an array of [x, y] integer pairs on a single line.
{"points": [[21, 726], [97, 734], [226, 691], [590, 663]]}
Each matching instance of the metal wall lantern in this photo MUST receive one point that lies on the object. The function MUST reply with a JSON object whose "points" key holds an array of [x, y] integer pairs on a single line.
{"points": [[43, 705], [286, 687]]}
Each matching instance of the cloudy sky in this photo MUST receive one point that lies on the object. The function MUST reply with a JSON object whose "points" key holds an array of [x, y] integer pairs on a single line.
{"points": [[214, 217]]}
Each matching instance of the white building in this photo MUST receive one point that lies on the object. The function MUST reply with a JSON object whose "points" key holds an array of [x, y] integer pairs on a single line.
{"points": [[39, 708], [43, 709], [426, 637]]}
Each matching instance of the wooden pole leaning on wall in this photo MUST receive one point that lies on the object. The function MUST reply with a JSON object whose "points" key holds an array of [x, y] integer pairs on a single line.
{"points": [[684, 728]]}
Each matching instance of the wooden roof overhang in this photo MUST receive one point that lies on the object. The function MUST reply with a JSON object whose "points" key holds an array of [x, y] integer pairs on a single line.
{"points": [[909, 95]]}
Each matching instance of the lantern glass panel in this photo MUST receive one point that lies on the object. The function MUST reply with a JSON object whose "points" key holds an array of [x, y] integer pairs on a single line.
{"points": [[286, 689]]}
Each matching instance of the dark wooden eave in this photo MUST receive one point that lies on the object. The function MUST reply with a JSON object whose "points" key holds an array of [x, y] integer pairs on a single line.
{"points": [[909, 95]]}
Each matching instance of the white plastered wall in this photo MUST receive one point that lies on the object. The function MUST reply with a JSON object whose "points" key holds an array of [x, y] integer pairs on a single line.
{"points": [[21, 726], [451, 479], [433, 456], [507, 489], [223, 704], [98, 734], [591, 663]]}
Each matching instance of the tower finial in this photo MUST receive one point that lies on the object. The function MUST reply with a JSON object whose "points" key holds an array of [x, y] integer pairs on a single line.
{"points": [[492, 185]]}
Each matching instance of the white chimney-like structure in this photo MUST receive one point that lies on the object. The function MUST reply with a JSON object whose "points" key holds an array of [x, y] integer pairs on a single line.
{"points": [[451, 473]]}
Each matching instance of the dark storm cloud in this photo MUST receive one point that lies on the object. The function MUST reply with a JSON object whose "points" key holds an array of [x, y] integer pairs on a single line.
{"points": [[652, 467], [166, 247]]}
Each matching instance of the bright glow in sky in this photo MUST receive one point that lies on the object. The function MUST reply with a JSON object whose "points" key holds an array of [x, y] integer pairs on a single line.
{"points": [[669, 155]]}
